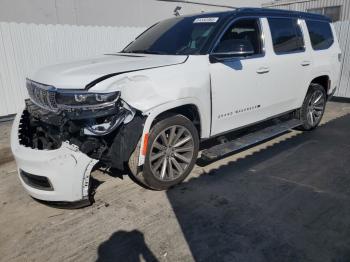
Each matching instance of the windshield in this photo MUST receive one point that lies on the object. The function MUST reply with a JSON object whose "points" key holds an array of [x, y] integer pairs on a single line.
{"points": [[177, 36]]}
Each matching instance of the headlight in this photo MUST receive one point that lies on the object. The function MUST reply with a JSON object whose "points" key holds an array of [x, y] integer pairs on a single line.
{"points": [[85, 100], [53, 99]]}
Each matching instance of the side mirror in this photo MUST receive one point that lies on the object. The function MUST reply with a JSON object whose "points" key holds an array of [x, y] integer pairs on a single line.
{"points": [[232, 48]]}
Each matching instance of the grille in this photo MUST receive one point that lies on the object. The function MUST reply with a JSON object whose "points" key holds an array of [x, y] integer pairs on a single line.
{"points": [[42, 95]]}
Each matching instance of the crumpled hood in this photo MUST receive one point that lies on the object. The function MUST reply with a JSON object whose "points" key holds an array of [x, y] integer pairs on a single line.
{"points": [[78, 74]]}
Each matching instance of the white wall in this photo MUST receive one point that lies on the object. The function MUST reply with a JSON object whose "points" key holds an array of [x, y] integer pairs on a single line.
{"points": [[24, 48], [343, 32], [103, 12]]}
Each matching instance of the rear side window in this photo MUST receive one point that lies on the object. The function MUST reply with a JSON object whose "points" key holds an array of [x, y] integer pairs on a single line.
{"points": [[286, 35], [321, 34]]}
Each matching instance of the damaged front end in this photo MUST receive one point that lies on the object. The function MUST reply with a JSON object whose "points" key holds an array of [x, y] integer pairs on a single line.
{"points": [[107, 138], [101, 127]]}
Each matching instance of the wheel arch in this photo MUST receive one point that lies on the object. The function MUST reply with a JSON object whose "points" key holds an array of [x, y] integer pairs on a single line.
{"points": [[324, 81], [189, 107], [189, 110]]}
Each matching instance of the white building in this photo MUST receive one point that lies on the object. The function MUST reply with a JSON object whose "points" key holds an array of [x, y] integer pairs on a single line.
{"points": [[337, 10], [108, 12]]}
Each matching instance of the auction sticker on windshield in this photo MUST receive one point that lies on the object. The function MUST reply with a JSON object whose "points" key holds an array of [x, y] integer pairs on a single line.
{"points": [[206, 20]]}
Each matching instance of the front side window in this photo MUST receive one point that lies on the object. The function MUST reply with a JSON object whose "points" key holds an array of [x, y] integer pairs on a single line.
{"points": [[243, 34], [176, 36], [320, 34], [286, 35]]}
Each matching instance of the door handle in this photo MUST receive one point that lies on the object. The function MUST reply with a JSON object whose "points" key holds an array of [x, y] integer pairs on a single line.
{"points": [[306, 63], [263, 70]]}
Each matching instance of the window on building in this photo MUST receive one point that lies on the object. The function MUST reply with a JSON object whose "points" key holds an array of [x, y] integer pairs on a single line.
{"points": [[286, 35], [321, 34], [333, 12], [318, 11]]}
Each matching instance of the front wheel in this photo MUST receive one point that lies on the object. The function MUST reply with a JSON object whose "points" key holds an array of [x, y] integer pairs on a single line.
{"points": [[171, 153], [313, 107]]}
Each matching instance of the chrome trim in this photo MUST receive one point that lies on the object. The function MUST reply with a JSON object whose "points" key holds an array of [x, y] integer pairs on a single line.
{"points": [[42, 95], [232, 53]]}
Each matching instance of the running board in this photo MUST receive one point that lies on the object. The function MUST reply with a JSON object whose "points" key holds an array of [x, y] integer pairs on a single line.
{"points": [[248, 140]]}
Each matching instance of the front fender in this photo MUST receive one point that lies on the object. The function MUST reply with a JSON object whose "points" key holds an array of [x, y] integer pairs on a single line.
{"points": [[156, 111]]}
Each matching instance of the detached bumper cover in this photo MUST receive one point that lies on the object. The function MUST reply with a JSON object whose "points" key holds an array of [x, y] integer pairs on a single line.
{"points": [[66, 168]]}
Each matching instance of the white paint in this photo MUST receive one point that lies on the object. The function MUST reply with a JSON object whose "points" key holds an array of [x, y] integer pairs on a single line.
{"points": [[67, 169], [278, 83], [77, 74]]}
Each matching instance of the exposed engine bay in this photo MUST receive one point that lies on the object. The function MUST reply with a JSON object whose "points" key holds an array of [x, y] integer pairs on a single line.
{"points": [[109, 136]]}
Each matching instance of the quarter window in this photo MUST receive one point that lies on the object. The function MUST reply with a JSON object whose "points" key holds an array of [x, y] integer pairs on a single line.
{"points": [[286, 35], [321, 34]]}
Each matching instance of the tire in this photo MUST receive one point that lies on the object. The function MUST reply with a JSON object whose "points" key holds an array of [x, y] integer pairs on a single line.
{"points": [[313, 107], [167, 164]]}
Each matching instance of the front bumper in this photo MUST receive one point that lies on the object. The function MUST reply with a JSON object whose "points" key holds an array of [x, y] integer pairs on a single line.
{"points": [[66, 168]]}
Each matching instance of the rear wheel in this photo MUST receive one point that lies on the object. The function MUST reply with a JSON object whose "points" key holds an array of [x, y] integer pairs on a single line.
{"points": [[313, 107], [171, 153]]}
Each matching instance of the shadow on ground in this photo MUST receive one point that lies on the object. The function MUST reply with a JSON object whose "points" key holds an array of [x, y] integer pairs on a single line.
{"points": [[125, 246], [288, 202]]}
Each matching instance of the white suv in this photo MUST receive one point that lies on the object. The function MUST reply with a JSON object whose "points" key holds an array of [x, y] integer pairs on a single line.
{"points": [[239, 77]]}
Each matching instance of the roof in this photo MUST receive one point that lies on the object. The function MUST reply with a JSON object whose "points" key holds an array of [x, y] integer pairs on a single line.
{"points": [[280, 12], [264, 12]]}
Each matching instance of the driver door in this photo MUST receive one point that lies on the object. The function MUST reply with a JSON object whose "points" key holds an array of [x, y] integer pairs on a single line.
{"points": [[238, 92]]}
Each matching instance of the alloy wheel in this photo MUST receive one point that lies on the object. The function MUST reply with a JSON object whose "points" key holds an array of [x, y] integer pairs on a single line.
{"points": [[316, 107], [171, 153]]}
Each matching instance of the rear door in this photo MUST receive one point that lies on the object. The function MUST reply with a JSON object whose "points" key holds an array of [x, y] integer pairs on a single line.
{"points": [[290, 63]]}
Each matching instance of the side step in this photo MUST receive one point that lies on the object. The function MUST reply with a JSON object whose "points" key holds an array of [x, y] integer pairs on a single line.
{"points": [[249, 140]]}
